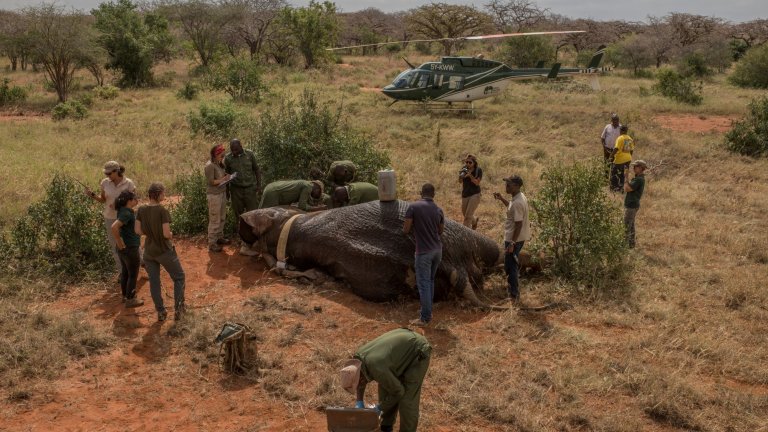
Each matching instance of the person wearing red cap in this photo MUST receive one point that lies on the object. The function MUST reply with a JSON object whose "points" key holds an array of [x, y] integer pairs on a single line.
{"points": [[216, 193]]}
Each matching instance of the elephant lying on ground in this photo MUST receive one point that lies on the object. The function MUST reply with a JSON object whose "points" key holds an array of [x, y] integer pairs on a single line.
{"points": [[364, 245]]}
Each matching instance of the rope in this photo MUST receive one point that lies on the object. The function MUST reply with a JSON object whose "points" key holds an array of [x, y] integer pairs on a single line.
{"points": [[282, 242]]}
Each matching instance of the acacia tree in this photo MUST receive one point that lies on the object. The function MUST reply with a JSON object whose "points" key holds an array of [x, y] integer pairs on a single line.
{"points": [[203, 22], [635, 52], [60, 40], [689, 29], [368, 26], [516, 15], [752, 33], [132, 42], [14, 39], [254, 22], [447, 22], [314, 28]]}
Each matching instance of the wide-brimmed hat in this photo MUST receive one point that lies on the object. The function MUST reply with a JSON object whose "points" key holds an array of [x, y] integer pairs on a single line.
{"points": [[350, 375], [640, 163]]}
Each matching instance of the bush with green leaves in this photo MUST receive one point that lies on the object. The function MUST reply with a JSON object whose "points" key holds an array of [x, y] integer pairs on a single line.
{"points": [[188, 91], [694, 65], [241, 78], [11, 94], [581, 228], [218, 120], [62, 234], [676, 87], [527, 51], [106, 92], [750, 71], [73, 109], [750, 135], [299, 135]]}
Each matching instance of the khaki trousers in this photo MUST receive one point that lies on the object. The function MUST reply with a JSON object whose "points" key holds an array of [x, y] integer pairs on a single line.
{"points": [[217, 215], [468, 207]]}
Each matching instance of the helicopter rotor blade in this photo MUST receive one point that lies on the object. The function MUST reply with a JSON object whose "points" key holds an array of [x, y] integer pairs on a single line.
{"points": [[493, 36], [408, 63]]}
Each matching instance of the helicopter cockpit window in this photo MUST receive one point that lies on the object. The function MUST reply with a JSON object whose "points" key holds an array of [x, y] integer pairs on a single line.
{"points": [[405, 79], [423, 80], [455, 82]]}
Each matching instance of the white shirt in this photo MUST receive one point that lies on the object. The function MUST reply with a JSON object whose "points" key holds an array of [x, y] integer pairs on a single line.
{"points": [[610, 134], [517, 212], [111, 192]]}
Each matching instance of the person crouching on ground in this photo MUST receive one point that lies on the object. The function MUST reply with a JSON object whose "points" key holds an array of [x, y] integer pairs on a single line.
{"points": [[634, 190], [470, 177], [517, 230], [216, 194], [127, 243], [154, 221], [427, 221], [398, 360]]}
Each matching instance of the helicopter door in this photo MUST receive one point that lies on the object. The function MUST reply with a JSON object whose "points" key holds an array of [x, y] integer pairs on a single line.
{"points": [[438, 82], [455, 82], [424, 80]]}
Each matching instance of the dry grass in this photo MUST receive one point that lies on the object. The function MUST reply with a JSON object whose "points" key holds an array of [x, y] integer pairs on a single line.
{"points": [[686, 351]]}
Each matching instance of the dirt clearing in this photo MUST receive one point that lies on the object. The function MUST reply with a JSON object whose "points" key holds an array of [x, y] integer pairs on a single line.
{"points": [[695, 123]]}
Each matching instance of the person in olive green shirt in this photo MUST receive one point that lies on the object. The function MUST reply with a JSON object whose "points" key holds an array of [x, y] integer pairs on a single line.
{"points": [[341, 173], [355, 193], [245, 187], [398, 361], [308, 194], [634, 190]]}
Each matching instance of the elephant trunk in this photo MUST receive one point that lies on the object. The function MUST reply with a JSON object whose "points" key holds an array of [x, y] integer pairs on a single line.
{"points": [[469, 294]]}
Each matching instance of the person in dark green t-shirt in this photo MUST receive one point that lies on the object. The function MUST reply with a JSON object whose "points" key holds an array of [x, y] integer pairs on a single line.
{"points": [[154, 221], [307, 194], [355, 193], [634, 190], [127, 243]]}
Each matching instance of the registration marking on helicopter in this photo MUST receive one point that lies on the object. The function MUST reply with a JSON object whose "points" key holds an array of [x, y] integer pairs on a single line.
{"points": [[442, 67]]}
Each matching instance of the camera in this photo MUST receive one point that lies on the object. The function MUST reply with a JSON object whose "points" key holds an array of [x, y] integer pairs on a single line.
{"points": [[463, 173]]}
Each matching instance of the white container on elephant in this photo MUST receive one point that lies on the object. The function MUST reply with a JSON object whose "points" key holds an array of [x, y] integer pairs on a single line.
{"points": [[387, 185]]}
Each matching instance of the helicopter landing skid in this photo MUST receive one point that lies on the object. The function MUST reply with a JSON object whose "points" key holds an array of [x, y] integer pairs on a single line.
{"points": [[446, 106]]}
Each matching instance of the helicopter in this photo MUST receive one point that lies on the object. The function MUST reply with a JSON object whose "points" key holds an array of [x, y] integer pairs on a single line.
{"points": [[467, 79]]}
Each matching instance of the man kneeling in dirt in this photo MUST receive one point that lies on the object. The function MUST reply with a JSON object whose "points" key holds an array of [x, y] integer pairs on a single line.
{"points": [[398, 360]]}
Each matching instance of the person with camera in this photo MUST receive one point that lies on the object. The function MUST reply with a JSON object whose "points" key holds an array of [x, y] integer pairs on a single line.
{"points": [[470, 177]]}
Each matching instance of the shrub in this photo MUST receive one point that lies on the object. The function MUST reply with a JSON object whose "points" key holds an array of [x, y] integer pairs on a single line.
{"points": [[71, 109], [241, 78], [10, 95], [694, 65], [750, 70], [106, 92], [62, 234], [214, 120], [674, 86], [581, 229], [750, 135], [527, 51], [86, 99], [297, 136], [189, 91]]}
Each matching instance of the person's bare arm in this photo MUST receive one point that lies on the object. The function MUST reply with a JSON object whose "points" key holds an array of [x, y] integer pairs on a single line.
{"points": [[501, 198], [440, 228], [627, 187], [407, 226], [116, 234], [167, 231], [137, 228]]}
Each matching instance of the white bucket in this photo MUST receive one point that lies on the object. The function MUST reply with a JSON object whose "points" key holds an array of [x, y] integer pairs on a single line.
{"points": [[387, 185]]}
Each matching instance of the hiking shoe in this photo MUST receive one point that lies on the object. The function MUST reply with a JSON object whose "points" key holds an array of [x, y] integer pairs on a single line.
{"points": [[162, 316], [124, 299], [223, 241], [475, 222], [215, 247], [418, 323], [247, 251], [179, 312], [134, 302]]}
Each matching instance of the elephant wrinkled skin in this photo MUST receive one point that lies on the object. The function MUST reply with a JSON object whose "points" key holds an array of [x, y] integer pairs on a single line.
{"points": [[364, 245]]}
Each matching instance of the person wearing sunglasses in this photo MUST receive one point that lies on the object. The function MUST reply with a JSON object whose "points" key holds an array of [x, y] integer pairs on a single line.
{"points": [[470, 177], [114, 183]]}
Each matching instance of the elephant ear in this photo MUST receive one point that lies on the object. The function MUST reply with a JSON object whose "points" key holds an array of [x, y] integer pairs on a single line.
{"points": [[263, 220]]}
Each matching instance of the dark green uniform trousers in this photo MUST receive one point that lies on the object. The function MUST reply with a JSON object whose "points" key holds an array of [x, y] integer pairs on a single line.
{"points": [[244, 199]]}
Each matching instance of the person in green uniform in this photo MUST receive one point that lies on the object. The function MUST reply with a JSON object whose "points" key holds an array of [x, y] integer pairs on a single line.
{"points": [[355, 193], [398, 360], [308, 194], [127, 244], [634, 190], [341, 173], [244, 188]]}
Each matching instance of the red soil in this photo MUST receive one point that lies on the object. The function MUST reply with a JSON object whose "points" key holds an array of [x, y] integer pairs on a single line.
{"points": [[695, 123]]}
